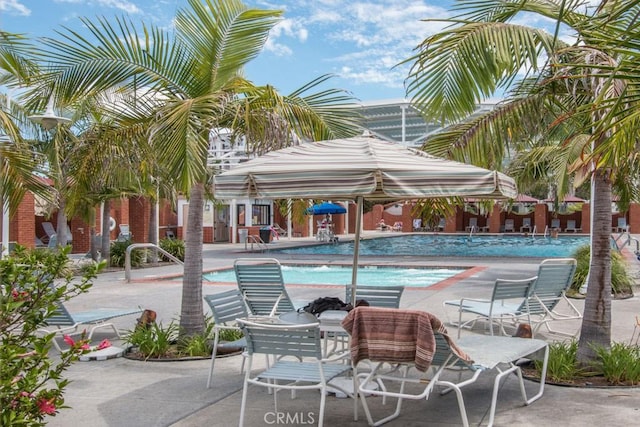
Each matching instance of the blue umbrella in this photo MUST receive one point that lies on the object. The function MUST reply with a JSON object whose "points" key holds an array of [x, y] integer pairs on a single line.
{"points": [[326, 208]]}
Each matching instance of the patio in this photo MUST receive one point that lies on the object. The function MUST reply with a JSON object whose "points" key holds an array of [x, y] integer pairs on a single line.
{"points": [[126, 392]]}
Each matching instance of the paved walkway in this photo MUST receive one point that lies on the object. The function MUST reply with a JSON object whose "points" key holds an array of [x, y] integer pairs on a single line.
{"points": [[123, 392]]}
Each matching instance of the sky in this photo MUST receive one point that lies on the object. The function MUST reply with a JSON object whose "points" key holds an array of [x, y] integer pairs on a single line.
{"points": [[359, 42]]}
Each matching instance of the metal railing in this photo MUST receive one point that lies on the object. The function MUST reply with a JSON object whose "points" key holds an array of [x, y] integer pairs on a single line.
{"points": [[127, 257], [258, 241]]}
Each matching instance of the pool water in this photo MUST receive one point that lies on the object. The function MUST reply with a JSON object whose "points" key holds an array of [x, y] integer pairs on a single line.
{"points": [[338, 275], [454, 245]]}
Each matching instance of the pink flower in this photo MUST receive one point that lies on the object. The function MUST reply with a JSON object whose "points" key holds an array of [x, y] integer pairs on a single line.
{"points": [[47, 406], [104, 344], [69, 340]]}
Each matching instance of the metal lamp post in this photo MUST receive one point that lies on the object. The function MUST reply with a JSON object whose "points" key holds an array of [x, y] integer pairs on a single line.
{"points": [[5, 210], [49, 120]]}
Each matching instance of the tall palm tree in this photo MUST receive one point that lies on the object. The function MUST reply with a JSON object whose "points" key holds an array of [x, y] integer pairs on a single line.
{"points": [[18, 162], [195, 74], [562, 92]]}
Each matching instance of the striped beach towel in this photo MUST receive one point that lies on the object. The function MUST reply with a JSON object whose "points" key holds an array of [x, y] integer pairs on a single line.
{"points": [[396, 336]]}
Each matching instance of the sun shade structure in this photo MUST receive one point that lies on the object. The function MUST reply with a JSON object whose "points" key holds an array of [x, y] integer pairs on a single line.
{"points": [[357, 168], [360, 166], [326, 208]]}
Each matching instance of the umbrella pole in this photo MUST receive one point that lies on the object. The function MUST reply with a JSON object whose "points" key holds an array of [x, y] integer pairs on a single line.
{"points": [[356, 248]]}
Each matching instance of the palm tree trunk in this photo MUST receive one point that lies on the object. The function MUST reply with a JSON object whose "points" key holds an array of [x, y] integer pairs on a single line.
{"points": [[152, 235], [596, 325], [105, 250], [192, 310], [61, 224]]}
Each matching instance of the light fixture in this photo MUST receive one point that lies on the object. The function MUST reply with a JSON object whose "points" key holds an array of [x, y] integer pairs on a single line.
{"points": [[49, 119]]}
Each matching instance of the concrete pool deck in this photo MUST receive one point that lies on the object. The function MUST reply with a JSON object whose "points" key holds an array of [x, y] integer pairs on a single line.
{"points": [[123, 392]]}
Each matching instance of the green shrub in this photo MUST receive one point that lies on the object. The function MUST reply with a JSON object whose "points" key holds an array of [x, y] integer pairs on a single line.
{"points": [[621, 282], [118, 252], [32, 383], [620, 364], [562, 365], [174, 246], [154, 341]]}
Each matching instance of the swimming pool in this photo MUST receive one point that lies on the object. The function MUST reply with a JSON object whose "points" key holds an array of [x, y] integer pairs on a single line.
{"points": [[341, 275], [453, 245]]}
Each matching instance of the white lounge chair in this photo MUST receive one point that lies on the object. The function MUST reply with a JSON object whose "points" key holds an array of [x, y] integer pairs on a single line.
{"points": [[425, 344], [473, 224], [441, 224], [526, 225], [64, 322], [571, 226], [376, 296], [622, 225], [509, 301], [509, 226], [554, 280], [261, 284], [555, 224]]}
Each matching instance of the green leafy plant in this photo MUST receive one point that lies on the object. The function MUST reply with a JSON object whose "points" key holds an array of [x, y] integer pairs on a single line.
{"points": [[154, 340], [620, 364], [198, 344], [621, 282], [562, 366], [31, 382], [174, 246], [118, 252]]}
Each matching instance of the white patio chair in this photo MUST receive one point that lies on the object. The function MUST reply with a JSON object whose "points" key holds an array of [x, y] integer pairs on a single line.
{"points": [[306, 370], [404, 344], [509, 301], [226, 307], [526, 225]]}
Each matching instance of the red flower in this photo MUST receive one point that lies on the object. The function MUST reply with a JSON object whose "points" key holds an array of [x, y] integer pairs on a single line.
{"points": [[47, 406], [104, 344]]}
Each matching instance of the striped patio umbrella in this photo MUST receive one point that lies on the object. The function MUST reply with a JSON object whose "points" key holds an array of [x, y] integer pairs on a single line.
{"points": [[357, 168]]}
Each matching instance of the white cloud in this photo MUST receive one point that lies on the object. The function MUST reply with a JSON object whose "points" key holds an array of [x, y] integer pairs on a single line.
{"points": [[121, 5], [378, 34], [14, 7]]}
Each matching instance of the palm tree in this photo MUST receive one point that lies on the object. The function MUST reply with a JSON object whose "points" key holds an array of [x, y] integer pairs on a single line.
{"points": [[195, 74], [566, 95], [18, 161]]}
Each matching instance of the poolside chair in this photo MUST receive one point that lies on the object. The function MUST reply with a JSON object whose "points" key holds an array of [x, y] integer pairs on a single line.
{"points": [[281, 231], [376, 296], [417, 224], [441, 224], [509, 226], [404, 345], [473, 224], [125, 233], [555, 224], [571, 226], [304, 370], [509, 301], [66, 322], [622, 225], [526, 224], [554, 278], [226, 307], [261, 284], [49, 231]]}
